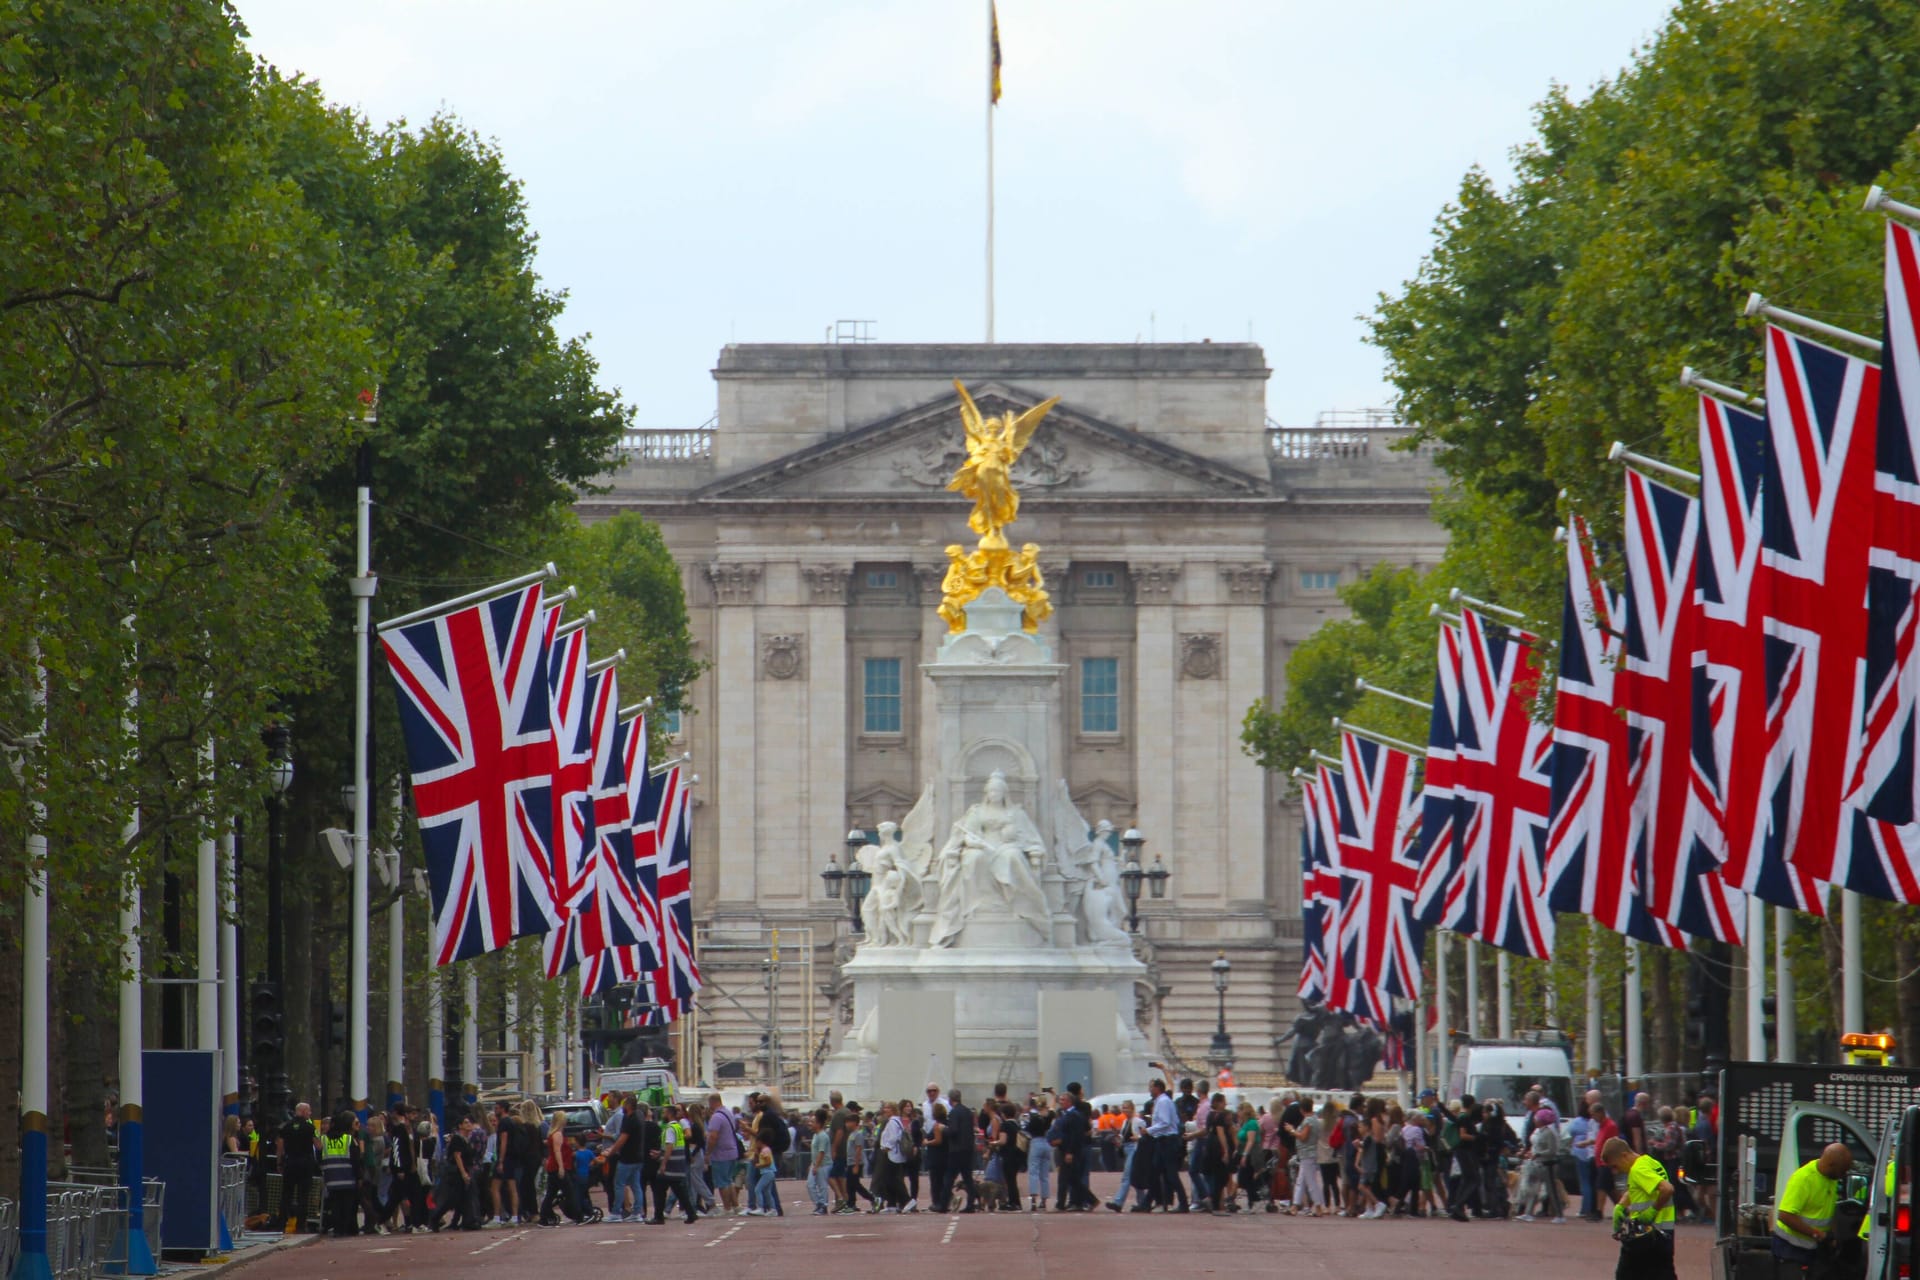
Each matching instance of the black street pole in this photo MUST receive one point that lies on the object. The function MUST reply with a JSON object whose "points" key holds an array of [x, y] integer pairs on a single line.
{"points": [[276, 1092]]}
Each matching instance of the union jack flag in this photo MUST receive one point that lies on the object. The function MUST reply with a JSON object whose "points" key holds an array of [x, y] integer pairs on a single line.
{"points": [[1380, 941], [1442, 848], [1587, 866], [1886, 779], [1811, 591], [1313, 954], [677, 978], [1679, 878], [609, 913], [1503, 778], [573, 776], [1730, 663], [472, 688], [638, 856], [1321, 886]]}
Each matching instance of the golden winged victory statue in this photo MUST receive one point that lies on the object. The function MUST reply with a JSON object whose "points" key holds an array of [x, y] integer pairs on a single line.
{"points": [[993, 446]]}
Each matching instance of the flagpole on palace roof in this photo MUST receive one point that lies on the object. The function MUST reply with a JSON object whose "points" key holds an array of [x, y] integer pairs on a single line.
{"points": [[993, 96]]}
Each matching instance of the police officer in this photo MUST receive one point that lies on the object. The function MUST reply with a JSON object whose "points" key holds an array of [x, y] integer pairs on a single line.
{"points": [[1643, 1222], [1803, 1211], [340, 1173], [294, 1151]]}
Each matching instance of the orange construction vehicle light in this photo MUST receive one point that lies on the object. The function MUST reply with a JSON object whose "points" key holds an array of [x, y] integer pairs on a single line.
{"points": [[1866, 1040]]}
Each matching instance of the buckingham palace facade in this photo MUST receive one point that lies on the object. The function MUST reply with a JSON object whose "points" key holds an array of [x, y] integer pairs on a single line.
{"points": [[1189, 544]]}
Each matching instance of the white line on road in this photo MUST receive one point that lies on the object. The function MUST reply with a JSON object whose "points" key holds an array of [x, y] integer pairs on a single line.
{"points": [[953, 1225], [724, 1236]]}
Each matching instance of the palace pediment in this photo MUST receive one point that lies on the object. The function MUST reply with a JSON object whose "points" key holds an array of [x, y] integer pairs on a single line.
{"points": [[915, 452]]}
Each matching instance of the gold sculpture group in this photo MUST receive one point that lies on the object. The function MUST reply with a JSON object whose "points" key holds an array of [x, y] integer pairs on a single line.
{"points": [[993, 446]]}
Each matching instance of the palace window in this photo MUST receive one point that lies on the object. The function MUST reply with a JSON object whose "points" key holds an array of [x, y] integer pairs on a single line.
{"points": [[881, 696], [1099, 578], [882, 579], [1319, 579], [672, 722], [1099, 695]]}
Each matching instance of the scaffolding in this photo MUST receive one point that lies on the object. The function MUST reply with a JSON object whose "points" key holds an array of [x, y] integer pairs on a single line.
{"points": [[765, 976]]}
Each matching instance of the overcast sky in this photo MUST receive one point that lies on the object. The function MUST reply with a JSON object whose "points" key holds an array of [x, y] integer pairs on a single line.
{"points": [[754, 171]]}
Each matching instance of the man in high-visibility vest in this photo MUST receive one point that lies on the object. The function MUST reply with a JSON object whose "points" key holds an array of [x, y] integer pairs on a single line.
{"points": [[340, 1170], [1643, 1221], [1803, 1210]]}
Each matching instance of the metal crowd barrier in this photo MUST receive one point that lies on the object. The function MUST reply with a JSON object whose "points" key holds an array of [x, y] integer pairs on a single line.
{"points": [[233, 1194], [153, 1205], [9, 1235], [72, 1230]]}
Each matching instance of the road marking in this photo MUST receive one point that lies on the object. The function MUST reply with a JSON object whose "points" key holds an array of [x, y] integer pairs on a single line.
{"points": [[392, 1250], [856, 1235], [724, 1236], [953, 1225], [518, 1235]]}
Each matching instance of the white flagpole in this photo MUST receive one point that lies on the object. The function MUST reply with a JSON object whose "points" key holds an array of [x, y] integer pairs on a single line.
{"points": [[990, 36], [132, 1097], [1441, 1066], [1594, 1014], [470, 1036], [363, 584], [437, 1048], [229, 975], [1630, 1019], [1853, 994]]}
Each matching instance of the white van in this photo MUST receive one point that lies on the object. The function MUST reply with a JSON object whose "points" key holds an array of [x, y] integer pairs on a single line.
{"points": [[1503, 1072]]}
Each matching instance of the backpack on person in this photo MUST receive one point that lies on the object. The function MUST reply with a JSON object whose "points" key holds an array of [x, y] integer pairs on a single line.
{"points": [[908, 1149], [781, 1138], [1338, 1138]]}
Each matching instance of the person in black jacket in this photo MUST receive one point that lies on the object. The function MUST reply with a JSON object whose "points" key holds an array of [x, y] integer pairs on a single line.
{"points": [[960, 1150], [1076, 1152]]}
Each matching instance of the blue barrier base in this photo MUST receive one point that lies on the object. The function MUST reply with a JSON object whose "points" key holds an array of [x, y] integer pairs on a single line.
{"points": [[132, 1176], [32, 1263]]}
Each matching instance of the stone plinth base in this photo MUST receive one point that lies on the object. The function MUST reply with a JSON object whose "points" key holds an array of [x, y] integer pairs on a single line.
{"points": [[996, 1034]]}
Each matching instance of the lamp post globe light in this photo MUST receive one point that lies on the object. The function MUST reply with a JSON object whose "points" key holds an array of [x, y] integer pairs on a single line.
{"points": [[1221, 1050]]}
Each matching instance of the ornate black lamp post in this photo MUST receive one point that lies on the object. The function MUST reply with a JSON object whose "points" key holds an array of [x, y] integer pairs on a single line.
{"points": [[859, 879], [1133, 876], [269, 1011], [1221, 1050]]}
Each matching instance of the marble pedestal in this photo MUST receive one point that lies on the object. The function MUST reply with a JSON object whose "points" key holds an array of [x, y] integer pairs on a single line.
{"points": [[996, 1009]]}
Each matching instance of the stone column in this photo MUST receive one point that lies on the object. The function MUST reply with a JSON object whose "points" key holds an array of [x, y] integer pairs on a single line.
{"points": [[1154, 667], [1244, 824], [933, 629], [735, 587], [828, 690]]}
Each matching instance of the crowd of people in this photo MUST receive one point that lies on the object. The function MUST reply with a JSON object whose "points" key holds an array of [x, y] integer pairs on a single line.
{"points": [[1182, 1151]]}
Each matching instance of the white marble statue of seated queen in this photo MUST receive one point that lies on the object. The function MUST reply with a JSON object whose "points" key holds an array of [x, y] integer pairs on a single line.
{"points": [[988, 865]]}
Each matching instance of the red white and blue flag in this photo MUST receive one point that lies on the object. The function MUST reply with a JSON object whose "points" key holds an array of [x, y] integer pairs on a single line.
{"points": [[1322, 881], [1442, 847], [638, 857], [677, 978], [1678, 875], [573, 774], [1886, 779], [473, 696], [1587, 867], [1730, 664], [1380, 940], [1810, 593], [1503, 781], [1313, 913]]}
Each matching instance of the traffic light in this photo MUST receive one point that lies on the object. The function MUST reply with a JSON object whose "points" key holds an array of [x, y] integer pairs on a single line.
{"points": [[1769, 1007], [1696, 1019], [268, 1032], [336, 1025]]}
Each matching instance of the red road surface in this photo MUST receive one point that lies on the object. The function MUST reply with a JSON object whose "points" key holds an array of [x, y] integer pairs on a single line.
{"points": [[1093, 1246]]}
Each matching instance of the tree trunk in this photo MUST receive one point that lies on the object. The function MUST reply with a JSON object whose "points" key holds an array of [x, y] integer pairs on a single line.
{"points": [[1663, 1028], [86, 1070], [12, 993], [1836, 991], [1906, 956], [297, 1001]]}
